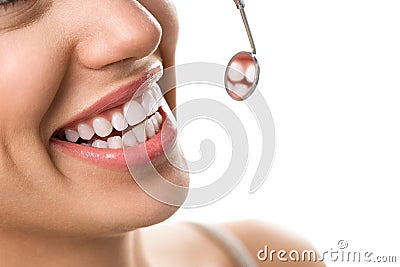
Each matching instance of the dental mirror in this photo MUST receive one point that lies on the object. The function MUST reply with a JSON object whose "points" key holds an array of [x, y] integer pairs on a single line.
{"points": [[243, 71], [241, 76]]}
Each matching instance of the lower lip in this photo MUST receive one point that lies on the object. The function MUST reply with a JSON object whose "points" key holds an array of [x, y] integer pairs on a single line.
{"points": [[139, 155]]}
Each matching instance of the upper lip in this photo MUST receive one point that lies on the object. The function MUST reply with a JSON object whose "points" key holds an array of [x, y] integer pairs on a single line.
{"points": [[119, 96]]}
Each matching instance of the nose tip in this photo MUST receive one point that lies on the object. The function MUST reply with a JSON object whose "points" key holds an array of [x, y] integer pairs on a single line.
{"points": [[124, 32]]}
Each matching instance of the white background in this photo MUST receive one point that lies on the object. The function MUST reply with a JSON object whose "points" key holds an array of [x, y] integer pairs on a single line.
{"points": [[331, 77]]}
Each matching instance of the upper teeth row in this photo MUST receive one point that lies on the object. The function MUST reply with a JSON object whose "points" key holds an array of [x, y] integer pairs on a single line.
{"points": [[136, 111], [237, 73]]}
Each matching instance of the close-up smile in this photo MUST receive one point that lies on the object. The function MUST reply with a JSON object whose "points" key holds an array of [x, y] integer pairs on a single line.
{"points": [[132, 137], [115, 123]]}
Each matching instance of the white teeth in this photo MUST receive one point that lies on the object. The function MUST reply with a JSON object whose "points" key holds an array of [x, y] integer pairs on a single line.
{"points": [[134, 113], [157, 94], [114, 142], [251, 73], [158, 117], [85, 131], [229, 86], [100, 144], [155, 123], [235, 72], [150, 131], [102, 127], [149, 103], [140, 133], [71, 135], [129, 139], [241, 89], [157, 91], [118, 121]]}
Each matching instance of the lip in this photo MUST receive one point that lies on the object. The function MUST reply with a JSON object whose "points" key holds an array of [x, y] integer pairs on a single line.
{"points": [[152, 149], [139, 155], [118, 97]]}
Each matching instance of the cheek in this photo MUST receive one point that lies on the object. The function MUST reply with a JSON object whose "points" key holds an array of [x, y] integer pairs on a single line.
{"points": [[30, 73], [29, 78]]}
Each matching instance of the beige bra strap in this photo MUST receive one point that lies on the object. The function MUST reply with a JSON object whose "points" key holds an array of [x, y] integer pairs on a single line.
{"points": [[233, 245]]}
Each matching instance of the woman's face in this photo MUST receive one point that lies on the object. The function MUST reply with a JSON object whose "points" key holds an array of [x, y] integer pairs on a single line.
{"points": [[64, 66]]}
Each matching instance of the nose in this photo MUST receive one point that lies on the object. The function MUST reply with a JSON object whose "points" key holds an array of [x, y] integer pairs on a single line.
{"points": [[122, 30]]}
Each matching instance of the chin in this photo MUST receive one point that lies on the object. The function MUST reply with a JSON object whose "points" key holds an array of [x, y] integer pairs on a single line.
{"points": [[102, 202]]}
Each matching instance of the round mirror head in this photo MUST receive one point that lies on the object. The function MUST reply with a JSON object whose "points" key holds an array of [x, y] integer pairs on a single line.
{"points": [[241, 76]]}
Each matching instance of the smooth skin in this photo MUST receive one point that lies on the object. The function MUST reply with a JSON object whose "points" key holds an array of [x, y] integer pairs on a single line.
{"points": [[57, 58]]}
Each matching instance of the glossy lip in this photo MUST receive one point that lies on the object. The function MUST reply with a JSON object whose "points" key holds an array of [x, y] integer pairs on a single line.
{"points": [[139, 155], [117, 97]]}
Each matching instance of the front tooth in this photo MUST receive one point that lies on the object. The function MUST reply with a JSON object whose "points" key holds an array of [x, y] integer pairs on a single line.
{"points": [[235, 72], [134, 113], [102, 127], [140, 133], [114, 142], [251, 73], [85, 131], [119, 122], [240, 89], [100, 144], [157, 94], [149, 103], [158, 117], [155, 123], [71, 135], [150, 131], [129, 139], [229, 86]]}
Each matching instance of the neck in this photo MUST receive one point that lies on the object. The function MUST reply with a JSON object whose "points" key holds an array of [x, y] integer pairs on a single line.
{"points": [[32, 250]]}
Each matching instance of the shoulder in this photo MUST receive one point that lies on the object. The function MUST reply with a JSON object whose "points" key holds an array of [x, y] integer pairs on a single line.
{"points": [[265, 241], [182, 244]]}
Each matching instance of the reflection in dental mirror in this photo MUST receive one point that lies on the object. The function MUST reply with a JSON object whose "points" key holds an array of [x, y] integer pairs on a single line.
{"points": [[241, 76]]}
